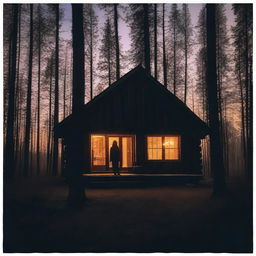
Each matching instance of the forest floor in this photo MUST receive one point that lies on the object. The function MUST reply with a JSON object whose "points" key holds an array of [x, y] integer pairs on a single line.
{"points": [[182, 218]]}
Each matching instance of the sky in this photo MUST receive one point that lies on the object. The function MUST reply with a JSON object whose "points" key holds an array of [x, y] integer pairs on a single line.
{"points": [[123, 27]]}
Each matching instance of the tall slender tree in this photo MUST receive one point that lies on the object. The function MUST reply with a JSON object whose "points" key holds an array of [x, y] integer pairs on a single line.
{"points": [[76, 189], [186, 30], [164, 52], [29, 92], [175, 47], [90, 36], [117, 42], [9, 154], [56, 97], [217, 166], [106, 65]]}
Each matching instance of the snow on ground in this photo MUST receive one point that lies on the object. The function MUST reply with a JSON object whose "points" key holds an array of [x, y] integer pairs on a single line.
{"points": [[144, 219]]}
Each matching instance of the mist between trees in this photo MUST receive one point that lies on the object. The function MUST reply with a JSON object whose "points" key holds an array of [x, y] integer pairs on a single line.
{"points": [[38, 72]]}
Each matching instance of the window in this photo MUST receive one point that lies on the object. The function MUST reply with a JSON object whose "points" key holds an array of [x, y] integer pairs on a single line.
{"points": [[163, 147]]}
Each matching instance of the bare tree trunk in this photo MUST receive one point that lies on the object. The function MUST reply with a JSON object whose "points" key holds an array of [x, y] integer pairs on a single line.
{"points": [[38, 93], [9, 153], [117, 42], [155, 41], [56, 100], [64, 113], [186, 58], [18, 93], [29, 91], [91, 56], [50, 120], [164, 54], [216, 151], [174, 59], [75, 146], [146, 39]]}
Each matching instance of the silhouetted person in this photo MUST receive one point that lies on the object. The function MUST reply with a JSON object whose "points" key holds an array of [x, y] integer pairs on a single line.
{"points": [[115, 157]]}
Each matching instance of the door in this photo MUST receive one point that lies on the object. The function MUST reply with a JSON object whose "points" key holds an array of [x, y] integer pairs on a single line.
{"points": [[98, 152], [127, 152], [110, 143]]}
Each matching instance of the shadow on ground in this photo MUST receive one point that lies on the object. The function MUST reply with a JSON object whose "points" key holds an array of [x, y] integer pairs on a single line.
{"points": [[147, 219]]}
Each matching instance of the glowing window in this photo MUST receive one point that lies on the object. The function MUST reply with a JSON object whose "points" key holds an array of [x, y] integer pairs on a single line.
{"points": [[155, 148], [163, 147], [171, 148]]}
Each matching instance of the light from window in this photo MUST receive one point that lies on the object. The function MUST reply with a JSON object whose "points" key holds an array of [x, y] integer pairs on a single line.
{"points": [[155, 147], [171, 148], [163, 147]]}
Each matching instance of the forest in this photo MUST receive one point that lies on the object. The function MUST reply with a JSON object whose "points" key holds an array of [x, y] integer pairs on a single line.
{"points": [[189, 66], [169, 40]]}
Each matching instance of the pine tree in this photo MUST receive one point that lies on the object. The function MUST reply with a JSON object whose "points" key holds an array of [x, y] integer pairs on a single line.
{"points": [[175, 47], [56, 99], [27, 137], [186, 30], [90, 36], [217, 166], [106, 65], [9, 154]]}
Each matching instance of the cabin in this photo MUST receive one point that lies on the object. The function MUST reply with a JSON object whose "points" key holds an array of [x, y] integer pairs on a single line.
{"points": [[155, 131]]}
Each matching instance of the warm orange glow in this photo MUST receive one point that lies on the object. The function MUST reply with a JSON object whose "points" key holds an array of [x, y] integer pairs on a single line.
{"points": [[126, 152], [171, 145], [155, 148], [163, 147], [98, 150]]}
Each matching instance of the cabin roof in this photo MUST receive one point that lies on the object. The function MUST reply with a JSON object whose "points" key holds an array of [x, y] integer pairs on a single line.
{"points": [[135, 72]]}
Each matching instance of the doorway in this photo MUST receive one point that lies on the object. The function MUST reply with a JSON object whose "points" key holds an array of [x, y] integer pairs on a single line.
{"points": [[100, 151]]}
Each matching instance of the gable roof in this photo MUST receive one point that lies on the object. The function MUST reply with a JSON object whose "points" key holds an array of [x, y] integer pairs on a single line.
{"points": [[137, 71]]}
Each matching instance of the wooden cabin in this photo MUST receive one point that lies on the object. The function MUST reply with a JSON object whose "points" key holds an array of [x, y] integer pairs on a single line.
{"points": [[155, 131]]}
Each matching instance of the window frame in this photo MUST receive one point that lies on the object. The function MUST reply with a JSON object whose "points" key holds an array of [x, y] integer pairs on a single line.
{"points": [[163, 147]]}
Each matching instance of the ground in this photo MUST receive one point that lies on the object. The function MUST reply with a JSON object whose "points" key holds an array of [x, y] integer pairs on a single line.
{"points": [[182, 218]]}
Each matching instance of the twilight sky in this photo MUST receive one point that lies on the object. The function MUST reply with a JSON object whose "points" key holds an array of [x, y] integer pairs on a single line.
{"points": [[124, 29]]}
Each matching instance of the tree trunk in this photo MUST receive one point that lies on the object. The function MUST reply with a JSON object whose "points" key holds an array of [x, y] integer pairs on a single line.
{"points": [[164, 54], [155, 40], [9, 153], [38, 93], [117, 42], [56, 98], [217, 167], [29, 90], [75, 147], [146, 39], [50, 121], [91, 56], [18, 94], [186, 58]]}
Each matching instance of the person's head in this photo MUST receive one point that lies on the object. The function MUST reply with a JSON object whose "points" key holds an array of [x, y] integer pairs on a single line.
{"points": [[114, 143]]}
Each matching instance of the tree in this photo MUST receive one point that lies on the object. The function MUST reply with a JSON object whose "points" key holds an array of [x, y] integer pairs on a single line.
{"points": [[217, 166], [175, 46], [56, 98], [186, 31], [242, 34], [146, 38], [75, 162], [137, 17], [201, 63], [90, 36], [164, 52], [106, 65], [29, 90], [117, 42], [9, 154]]}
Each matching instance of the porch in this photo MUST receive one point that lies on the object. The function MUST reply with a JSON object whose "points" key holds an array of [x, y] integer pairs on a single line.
{"points": [[141, 179]]}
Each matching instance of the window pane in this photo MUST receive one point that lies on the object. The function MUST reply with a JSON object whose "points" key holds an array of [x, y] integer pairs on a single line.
{"points": [[155, 148], [171, 145]]}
